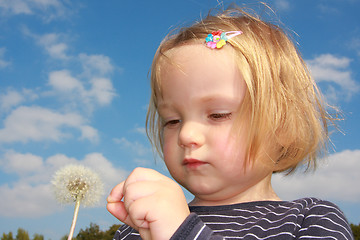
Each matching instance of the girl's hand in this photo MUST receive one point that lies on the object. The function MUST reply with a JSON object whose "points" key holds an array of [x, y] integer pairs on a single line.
{"points": [[152, 203]]}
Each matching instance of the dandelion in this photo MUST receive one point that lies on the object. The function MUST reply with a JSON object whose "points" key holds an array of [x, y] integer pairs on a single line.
{"points": [[77, 184]]}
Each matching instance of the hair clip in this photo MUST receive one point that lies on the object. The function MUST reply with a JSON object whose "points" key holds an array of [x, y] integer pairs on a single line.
{"points": [[218, 39]]}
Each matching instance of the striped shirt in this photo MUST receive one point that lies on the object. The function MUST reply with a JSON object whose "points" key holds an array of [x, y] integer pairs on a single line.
{"points": [[307, 218]]}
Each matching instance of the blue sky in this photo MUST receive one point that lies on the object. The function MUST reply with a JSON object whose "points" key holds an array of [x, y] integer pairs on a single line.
{"points": [[74, 89]]}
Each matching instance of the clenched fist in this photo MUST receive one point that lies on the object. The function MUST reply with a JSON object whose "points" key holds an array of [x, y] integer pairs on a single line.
{"points": [[149, 202]]}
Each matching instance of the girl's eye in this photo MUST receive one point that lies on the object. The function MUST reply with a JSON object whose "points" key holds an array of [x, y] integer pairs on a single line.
{"points": [[171, 123], [220, 116]]}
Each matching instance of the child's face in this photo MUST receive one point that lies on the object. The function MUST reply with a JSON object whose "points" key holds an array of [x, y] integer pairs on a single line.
{"points": [[201, 95]]}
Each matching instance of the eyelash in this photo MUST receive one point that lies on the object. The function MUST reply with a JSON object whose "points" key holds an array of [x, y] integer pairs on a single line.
{"points": [[220, 116], [213, 116], [171, 122]]}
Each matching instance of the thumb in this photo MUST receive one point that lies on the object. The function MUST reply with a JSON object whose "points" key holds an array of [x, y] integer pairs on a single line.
{"points": [[116, 207], [116, 193], [145, 233]]}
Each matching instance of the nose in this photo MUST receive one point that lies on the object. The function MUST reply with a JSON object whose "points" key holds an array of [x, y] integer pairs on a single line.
{"points": [[191, 135]]}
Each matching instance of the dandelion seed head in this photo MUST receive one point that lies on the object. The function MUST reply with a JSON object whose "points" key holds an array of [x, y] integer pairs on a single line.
{"points": [[76, 182]]}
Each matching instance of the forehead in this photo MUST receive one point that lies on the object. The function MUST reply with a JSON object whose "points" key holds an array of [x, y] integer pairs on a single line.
{"points": [[193, 52], [192, 59], [199, 71]]}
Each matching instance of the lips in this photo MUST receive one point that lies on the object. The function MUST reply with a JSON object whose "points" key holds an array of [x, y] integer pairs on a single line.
{"points": [[191, 163]]}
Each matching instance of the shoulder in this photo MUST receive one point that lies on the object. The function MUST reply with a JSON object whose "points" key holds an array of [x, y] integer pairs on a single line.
{"points": [[305, 218], [296, 207], [313, 208], [322, 218]]}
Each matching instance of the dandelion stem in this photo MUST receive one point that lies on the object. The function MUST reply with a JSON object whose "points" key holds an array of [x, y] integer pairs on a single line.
{"points": [[76, 212]]}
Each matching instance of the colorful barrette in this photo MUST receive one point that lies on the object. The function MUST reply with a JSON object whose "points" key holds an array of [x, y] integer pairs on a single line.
{"points": [[218, 39]]}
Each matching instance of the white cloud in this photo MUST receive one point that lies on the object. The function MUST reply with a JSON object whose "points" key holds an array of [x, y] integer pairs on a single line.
{"points": [[134, 147], [3, 63], [282, 5], [336, 179], [142, 155], [15, 6], [12, 98], [96, 64], [326, 8], [47, 9], [52, 44], [57, 50], [46, 3], [141, 130], [14, 163], [354, 44], [88, 132], [91, 86], [63, 81], [38, 124], [59, 160], [104, 167], [335, 72], [142, 161], [31, 194], [24, 200], [101, 91]]}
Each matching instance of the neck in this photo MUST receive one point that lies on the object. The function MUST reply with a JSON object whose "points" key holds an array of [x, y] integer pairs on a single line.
{"points": [[262, 191]]}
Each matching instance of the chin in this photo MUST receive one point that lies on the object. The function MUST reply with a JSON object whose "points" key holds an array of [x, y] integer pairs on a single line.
{"points": [[203, 190]]}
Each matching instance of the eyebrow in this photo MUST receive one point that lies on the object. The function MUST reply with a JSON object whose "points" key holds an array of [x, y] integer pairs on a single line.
{"points": [[206, 99], [217, 97]]}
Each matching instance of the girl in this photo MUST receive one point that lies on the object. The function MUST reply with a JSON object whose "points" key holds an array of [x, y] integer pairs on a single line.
{"points": [[232, 102]]}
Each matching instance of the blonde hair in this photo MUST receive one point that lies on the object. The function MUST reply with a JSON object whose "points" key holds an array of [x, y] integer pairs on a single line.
{"points": [[285, 111]]}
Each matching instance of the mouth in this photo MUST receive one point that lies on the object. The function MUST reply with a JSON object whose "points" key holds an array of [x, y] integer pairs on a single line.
{"points": [[191, 163]]}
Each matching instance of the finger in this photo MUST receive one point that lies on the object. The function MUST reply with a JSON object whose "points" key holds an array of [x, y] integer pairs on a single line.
{"points": [[116, 193], [145, 233], [143, 174], [138, 211], [116, 207], [118, 210], [136, 201], [137, 190]]}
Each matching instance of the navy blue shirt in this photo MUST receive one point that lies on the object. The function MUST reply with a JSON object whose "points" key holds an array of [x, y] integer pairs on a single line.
{"points": [[306, 218]]}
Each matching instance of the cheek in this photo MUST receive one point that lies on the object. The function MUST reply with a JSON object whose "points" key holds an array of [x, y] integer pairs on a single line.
{"points": [[230, 149], [169, 144], [166, 150], [171, 157]]}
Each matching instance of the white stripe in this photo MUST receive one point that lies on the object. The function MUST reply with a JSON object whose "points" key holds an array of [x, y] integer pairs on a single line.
{"points": [[248, 222], [321, 237], [258, 226], [267, 237], [324, 228], [197, 235]]}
